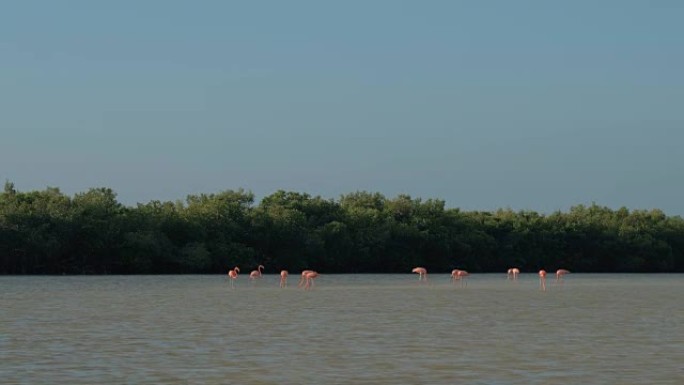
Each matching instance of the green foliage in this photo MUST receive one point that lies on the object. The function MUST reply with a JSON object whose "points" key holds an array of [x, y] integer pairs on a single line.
{"points": [[47, 232]]}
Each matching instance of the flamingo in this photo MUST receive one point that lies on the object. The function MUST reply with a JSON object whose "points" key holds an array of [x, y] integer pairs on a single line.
{"points": [[513, 273], [542, 280], [310, 276], [560, 273], [233, 274], [460, 275], [283, 278], [303, 279], [422, 273], [256, 273]]}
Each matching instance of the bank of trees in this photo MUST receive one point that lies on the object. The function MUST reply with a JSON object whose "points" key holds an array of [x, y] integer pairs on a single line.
{"points": [[48, 232]]}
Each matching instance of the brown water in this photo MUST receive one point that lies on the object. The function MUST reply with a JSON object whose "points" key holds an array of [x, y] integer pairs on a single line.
{"points": [[350, 329]]}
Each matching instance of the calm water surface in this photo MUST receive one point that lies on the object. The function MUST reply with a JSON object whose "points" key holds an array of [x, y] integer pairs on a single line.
{"points": [[350, 329]]}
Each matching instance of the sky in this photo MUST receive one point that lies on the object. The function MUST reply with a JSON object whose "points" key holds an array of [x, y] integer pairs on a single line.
{"points": [[527, 105]]}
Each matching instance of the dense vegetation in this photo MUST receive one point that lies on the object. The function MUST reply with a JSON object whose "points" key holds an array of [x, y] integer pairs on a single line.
{"points": [[48, 232]]}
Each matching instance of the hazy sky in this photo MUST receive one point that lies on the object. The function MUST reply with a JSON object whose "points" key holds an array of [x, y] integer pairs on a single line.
{"points": [[535, 105]]}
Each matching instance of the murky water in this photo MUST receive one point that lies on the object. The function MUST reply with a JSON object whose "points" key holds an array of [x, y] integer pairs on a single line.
{"points": [[350, 329]]}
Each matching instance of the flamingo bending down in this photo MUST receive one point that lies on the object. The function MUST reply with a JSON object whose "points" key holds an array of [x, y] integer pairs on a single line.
{"points": [[233, 274], [422, 273], [460, 275], [283, 278], [256, 273], [302, 280], [310, 276], [542, 280], [513, 273], [560, 273]]}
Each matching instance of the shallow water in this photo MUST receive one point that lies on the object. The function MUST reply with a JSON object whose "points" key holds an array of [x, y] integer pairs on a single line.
{"points": [[350, 329]]}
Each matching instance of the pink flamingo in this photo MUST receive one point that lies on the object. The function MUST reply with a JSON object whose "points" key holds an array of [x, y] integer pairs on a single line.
{"points": [[422, 273], [303, 278], [256, 273], [560, 273], [233, 274], [283, 278], [513, 273], [460, 275], [310, 276], [542, 280]]}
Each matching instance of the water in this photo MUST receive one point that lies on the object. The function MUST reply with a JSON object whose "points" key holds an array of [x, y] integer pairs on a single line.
{"points": [[350, 329]]}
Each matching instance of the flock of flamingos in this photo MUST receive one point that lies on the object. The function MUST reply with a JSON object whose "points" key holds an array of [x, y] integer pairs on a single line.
{"points": [[308, 276], [307, 280], [512, 273]]}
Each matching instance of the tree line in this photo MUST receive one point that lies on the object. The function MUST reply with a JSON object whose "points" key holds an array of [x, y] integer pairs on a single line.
{"points": [[48, 232]]}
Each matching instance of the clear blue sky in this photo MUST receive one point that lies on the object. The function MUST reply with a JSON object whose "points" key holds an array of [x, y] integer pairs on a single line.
{"points": [[535, 105]]}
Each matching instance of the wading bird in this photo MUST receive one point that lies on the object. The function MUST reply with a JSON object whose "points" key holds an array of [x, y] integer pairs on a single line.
{"points": [[542, 280], [302, 280], [422, 273], [310, 276], [233, 274], [513, 273], [256, 273], [560, 273], [459, 275], [283, 278]]}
